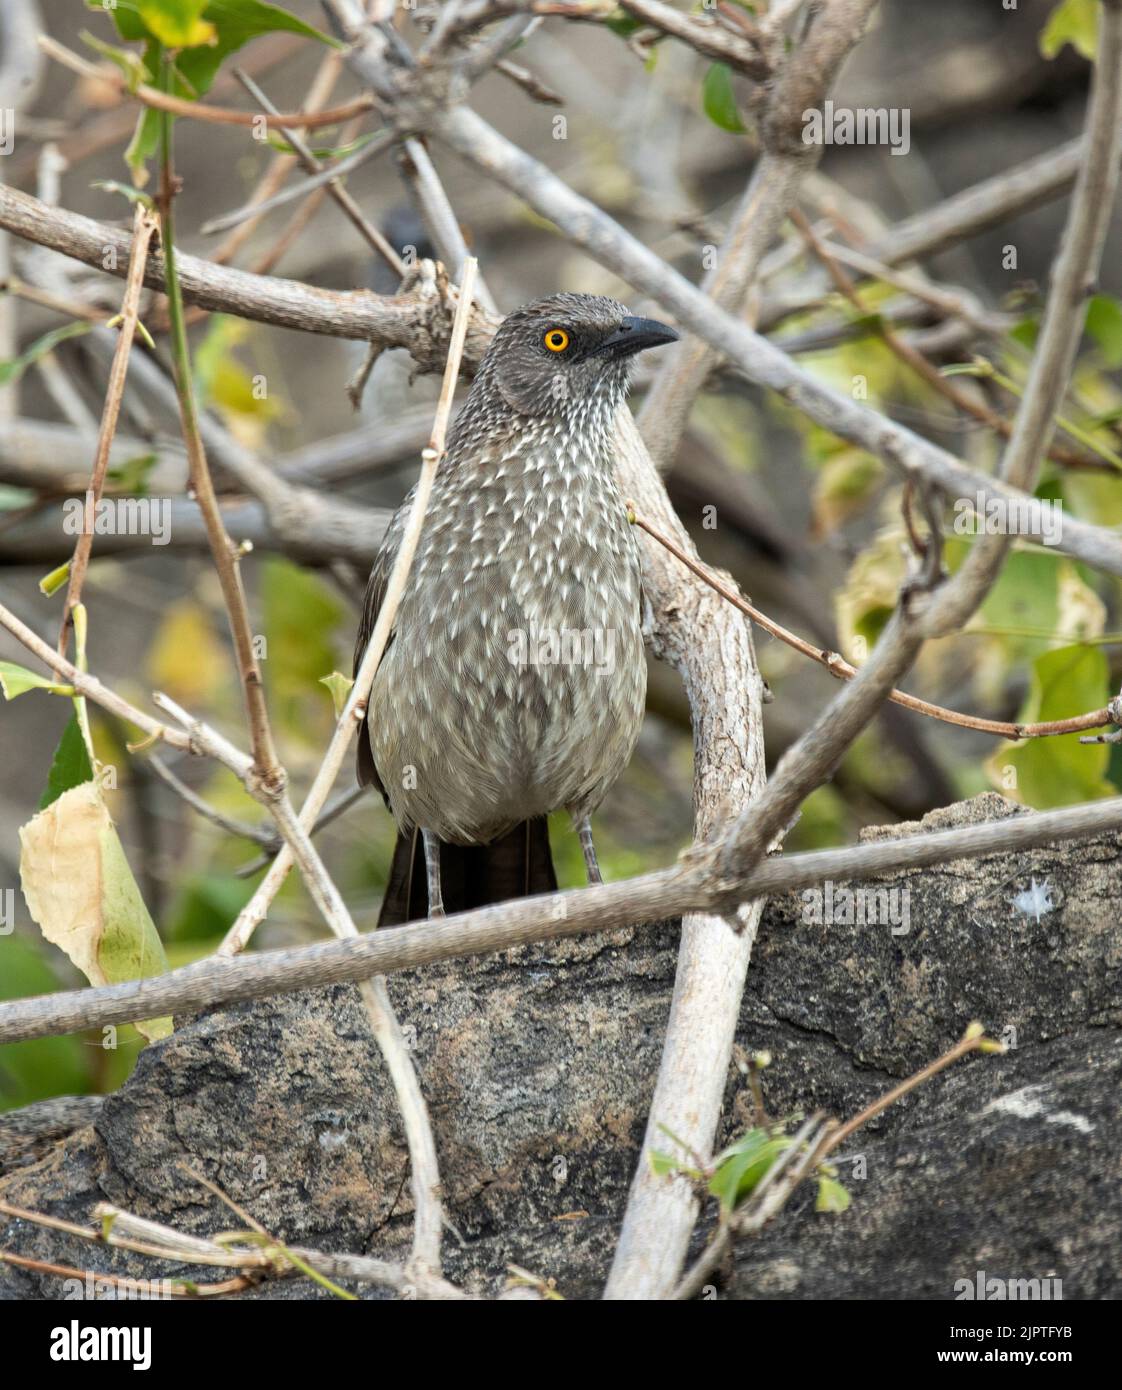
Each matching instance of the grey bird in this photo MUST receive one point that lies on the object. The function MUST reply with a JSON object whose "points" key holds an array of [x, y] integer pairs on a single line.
{"points": [[514, 681]]}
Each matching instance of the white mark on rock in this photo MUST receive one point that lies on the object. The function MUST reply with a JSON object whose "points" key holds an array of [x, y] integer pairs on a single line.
{"points": [[1035, 900], [1028, 1104]]}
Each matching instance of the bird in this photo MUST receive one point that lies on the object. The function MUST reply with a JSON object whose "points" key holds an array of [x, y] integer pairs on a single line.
{"points": [[513, 682]]}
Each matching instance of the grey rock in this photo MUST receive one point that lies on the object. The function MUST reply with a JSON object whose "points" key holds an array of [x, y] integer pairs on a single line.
{"points": [[538, 1065]]}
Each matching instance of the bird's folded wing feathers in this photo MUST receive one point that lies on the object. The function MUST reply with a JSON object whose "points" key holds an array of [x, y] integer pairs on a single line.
{"points": [[371, 606]]}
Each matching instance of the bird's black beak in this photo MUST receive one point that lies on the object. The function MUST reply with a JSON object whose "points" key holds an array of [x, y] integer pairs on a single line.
{"points": [[634, 335]]}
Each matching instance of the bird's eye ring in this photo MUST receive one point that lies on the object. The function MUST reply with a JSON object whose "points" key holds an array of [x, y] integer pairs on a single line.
{"points": [[556, 340]]}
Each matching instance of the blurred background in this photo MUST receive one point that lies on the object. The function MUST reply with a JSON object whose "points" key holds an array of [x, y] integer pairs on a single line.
{"points": [[810, 527]]}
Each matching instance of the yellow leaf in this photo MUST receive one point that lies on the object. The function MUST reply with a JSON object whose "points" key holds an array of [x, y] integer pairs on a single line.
{"points": [[81, 893], [177, 31]]}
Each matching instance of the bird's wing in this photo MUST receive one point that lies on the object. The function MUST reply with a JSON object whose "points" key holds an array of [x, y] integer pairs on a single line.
{"points": [[371, 607]]}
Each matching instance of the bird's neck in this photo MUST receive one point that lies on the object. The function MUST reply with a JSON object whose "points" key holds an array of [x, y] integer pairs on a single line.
{"points": [[576, 439]]}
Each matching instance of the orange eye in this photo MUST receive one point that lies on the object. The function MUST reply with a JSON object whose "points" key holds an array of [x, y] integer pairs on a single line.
{"points": [[557, 340]]}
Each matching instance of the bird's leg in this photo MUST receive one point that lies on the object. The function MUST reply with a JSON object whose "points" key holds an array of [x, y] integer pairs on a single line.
{"points": [[432, 868], [584, 830]]}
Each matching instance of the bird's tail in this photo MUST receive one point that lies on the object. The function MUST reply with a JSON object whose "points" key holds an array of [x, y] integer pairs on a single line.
{"points": [[513, 866]]}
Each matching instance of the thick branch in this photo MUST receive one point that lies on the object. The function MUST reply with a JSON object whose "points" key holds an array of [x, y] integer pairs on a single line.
{"points": [[417, 320], [759, 360], [225, 980], [804, 82]]}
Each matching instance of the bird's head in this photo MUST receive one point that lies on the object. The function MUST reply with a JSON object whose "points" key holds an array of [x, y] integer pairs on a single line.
{"points": [[567, 354]]}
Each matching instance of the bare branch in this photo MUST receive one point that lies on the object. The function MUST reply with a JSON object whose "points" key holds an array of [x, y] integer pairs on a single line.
{"points": [[759, 360], [416, 320], [425, 1170], [144, 228], [803, 83], [91, 687], [225, 554], [1073, 278], [320, 178], [254, 911], [652, 897], [838, 667], [197, 110], [358, 219]]}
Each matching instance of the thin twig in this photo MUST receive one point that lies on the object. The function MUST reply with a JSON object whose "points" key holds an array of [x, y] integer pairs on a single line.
{"points": [[1074, 273], [910, 355], [267, 839], [273, 843], [225, 554], [326, 177], [123, 1230], [281, 165], [197, 110], [405, 321], [837, 665], [312, 165], [439, 216], [71, 308], [144, 228], [274, 798], [785, 1175], [239, 934], [425, 1170], [175, 1288], [91, 687]]}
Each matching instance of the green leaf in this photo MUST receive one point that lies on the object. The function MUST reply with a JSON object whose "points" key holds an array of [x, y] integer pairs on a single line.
{"points": [[1075, 22], [17, 680], [623, 24], [1059, 771], [236, 22], [80, 891], [53, 582], [130, 63], [1104, 324], [134, 195], [301, 616], [329, 152], [176, 23], [1093, 495], [185, 657], [204, 34], [741, 1166], [340, 687], [70, 766], [224, 381], [125, 15], [868, 325], [832, 1196], [14, 367], [1039, 603], [1026, 332], [663, 1165], [144, 144], [146, 135], [206, 905], [717, 99], [844, 484]]}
